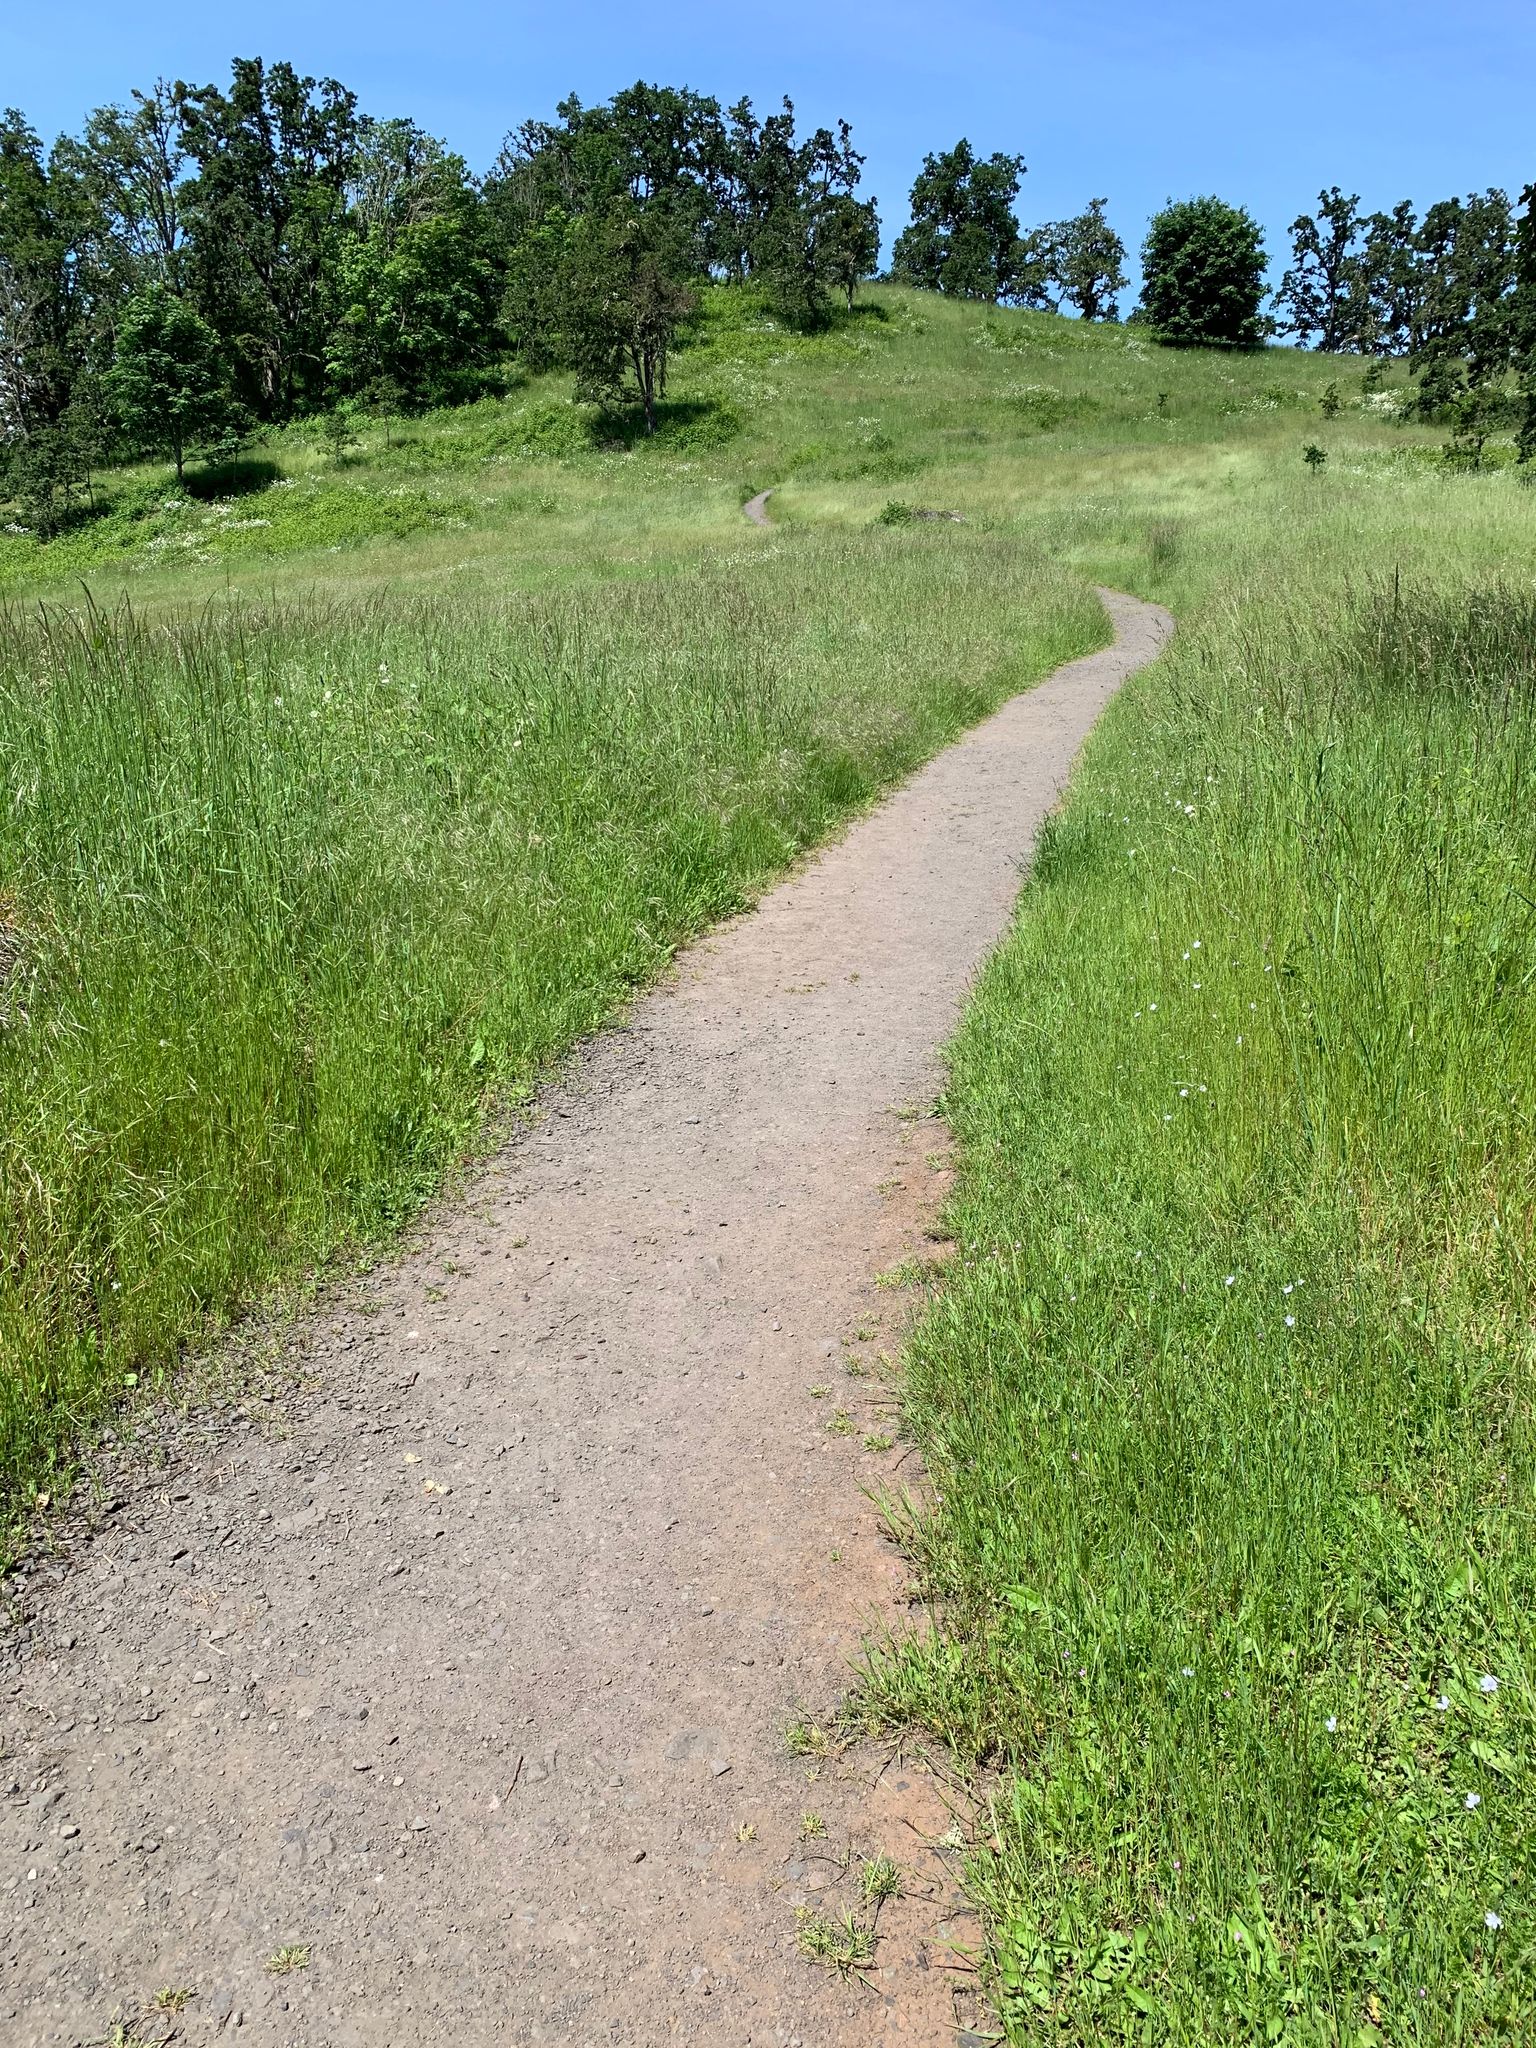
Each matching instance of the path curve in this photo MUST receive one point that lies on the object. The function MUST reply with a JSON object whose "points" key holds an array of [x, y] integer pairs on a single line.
{"points": [[756, 509], [467, 1670]]}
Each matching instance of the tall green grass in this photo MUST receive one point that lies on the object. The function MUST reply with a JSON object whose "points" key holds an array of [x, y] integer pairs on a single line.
{"points": [[290, 888], [1227, 1395]]}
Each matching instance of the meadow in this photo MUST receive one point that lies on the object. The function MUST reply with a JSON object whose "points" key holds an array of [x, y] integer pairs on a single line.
{"points": [[324, 833]]}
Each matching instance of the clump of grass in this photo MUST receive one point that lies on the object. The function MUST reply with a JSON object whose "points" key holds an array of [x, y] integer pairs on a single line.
{"points": [[807, 1738], [879, 1880], [285, 1960], [842, 1944]]}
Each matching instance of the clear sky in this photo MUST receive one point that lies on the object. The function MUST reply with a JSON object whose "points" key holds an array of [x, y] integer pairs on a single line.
{"points": [[1137, 102]]}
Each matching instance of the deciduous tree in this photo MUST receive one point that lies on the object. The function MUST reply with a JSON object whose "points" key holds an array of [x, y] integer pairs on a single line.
{"points": [[849, 246], [1391, 286], [266, 216], [1465, 344], [39, 303], [166, 385], [603, 294], [1203, 271], [964, 236], [1086, 262], [1325, 290], [1525, 322], [417, 290]]}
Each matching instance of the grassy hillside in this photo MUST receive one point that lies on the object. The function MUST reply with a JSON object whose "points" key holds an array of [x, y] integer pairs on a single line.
{"points": [[911, 400], [401, 770]]}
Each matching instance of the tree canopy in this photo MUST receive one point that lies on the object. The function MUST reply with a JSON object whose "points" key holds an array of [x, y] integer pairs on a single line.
{"points": [[1203, 275], [964, 237]]}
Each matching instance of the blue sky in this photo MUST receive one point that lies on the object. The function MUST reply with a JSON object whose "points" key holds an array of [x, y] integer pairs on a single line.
{"points": [[1137, 102]]}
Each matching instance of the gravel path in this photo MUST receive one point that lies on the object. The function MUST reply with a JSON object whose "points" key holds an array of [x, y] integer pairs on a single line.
{"points": [[459, 1668]]}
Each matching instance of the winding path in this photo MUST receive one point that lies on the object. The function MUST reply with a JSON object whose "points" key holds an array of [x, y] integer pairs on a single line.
{"points": [[465, 1667]]}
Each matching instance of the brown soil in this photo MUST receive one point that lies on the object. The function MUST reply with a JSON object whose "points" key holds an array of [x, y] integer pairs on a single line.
{"points": [[465, 1665]]}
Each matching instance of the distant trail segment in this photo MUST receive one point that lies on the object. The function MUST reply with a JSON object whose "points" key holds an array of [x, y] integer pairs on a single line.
{"points": [[756, 509], [464, 1673]]}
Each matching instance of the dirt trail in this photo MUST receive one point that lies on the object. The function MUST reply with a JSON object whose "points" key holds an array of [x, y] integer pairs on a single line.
{"points": [[466, 1667]]}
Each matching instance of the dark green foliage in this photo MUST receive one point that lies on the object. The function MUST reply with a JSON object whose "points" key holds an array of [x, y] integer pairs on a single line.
{"points": [[603, 294], [39, 302], [964, 237], [48, 428], [417, 289], [659, 147], [849, 242], [266, 216], [166, 384], [1203, 265], [1392, 280], [1325, 291], [1464, 345], [263, 251], [1085, 262], [728, 194], [417, 315], [127, 172], [45, 472], [1524, 322]]}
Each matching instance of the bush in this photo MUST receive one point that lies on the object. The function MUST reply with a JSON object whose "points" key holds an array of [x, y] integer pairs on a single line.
{"points": [[1046, 409], [1204, 275]]}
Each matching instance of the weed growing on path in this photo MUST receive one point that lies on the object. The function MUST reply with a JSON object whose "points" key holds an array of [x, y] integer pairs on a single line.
{"points": [[842, 1944]]}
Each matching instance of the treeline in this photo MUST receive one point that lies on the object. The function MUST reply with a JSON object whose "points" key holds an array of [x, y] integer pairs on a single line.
{"points": [[1452, 294], [211, 260], [965, 239]]}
